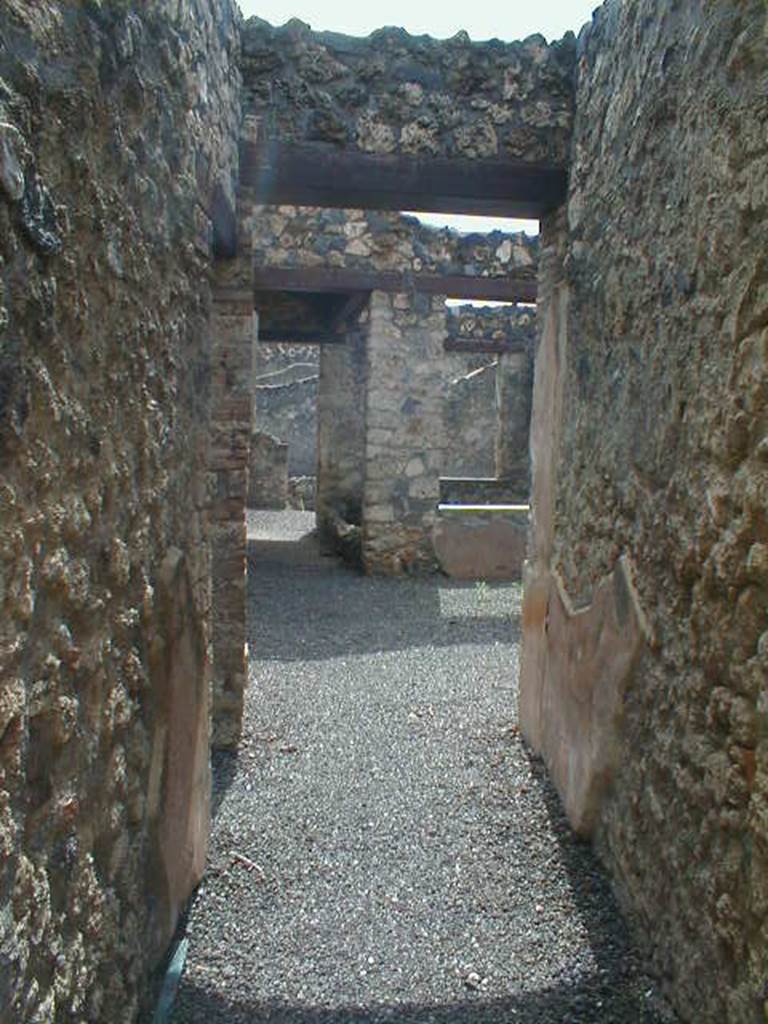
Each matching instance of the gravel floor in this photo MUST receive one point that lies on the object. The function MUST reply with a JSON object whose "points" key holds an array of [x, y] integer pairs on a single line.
{"points": [[384, 848]]}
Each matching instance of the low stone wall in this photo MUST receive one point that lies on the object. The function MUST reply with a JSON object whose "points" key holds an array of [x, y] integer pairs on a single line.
{"points": [[118, 129], [456, 490], [476, 543], [395, 93]]}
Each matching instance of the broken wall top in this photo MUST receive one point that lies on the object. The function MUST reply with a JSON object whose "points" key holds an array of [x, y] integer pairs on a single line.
{"points": [[312, 237], [396, 93], [511, 328]]}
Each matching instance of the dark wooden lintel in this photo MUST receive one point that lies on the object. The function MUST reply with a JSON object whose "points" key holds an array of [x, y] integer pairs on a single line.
{"points": [[453, 286], [318, 174]]}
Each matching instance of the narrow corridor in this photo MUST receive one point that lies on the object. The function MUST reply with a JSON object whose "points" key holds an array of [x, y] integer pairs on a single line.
{"points": [[384, 849]]}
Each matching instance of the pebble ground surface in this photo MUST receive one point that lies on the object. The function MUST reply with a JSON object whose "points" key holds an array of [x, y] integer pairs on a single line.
{"points": [[384, 847]]}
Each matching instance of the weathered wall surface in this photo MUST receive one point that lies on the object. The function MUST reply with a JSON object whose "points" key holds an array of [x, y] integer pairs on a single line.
{"points": [[288, 410], [341, 431], [365, 240], [470, 414], [404, 435], [267, 472], [285, 401], [660, 331], [117, 128], [514, 397], [395, 93], [234, 327], [488, 410]]}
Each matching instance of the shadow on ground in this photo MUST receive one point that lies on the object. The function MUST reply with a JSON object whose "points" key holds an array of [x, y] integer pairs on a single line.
{"points": [[306, 595], [566, 1005]]}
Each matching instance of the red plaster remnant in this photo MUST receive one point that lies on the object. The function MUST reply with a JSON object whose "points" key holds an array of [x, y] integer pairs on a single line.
{"points": [[578, 665], [180, 783]]}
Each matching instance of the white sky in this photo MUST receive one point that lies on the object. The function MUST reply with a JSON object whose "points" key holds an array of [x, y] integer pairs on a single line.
{"points": [[482, 19]]}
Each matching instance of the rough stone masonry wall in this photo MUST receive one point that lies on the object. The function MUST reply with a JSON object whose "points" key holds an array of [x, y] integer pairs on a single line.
{"points": [[369, 240], [341, 431], [404, 433], [395, 93], [285, 401], [117, 126], [664, 460], [470, 414], [267, 472], [488, 414], [358, 240]]}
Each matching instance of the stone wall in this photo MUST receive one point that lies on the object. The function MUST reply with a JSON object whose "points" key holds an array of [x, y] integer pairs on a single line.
{"points": [[514, 399], [650, 563], [285, 401], [488, 409], [470, 414], [480, 440], [267, 472], [395, 93], [404, 435], [369, 240], [341, 432], [117, 155]]}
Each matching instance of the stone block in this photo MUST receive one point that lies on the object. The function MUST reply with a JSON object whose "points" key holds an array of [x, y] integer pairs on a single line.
{"points": [[480, 545]]}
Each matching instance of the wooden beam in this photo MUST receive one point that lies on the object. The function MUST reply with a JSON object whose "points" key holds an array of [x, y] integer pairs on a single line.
{"points": [[319, 174], [453, 286]]}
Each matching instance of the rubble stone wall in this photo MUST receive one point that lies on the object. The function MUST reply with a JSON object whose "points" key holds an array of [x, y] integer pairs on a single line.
{"points": [[267, 472], [285, 401], [488, 413], [404, 432], [396, 93], [659, 329], [341, 432], [470, 414], [514, 400], [118, 129], [370, 240]]}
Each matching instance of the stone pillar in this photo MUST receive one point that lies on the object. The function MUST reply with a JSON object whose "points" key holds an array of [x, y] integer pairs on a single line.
{"points": [[404, 437], [341, 432], [234, 333], [513, 406]]}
